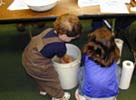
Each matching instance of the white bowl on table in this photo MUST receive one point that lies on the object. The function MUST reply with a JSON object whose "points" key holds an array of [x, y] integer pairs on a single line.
{"points": [[41, 5]]}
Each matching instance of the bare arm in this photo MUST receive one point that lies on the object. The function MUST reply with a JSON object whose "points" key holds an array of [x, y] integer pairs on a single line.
{"points": [[66, 59]]}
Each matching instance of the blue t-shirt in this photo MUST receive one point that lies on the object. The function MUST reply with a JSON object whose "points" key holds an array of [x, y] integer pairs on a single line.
{"points": [[100, 82], [52, 49]]}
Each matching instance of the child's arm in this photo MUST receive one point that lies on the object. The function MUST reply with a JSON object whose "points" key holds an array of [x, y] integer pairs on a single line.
{"points": [[66, 59]]}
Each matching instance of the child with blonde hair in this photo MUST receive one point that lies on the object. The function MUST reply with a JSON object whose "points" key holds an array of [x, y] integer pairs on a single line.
{"points": [[43, 47]]}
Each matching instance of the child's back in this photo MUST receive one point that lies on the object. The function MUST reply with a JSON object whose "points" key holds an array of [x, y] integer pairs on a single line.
{"points": [[100, 57]]}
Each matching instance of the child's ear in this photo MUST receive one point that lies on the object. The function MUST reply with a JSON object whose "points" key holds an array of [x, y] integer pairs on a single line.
{"points": [[85, 48], [91, 37]]}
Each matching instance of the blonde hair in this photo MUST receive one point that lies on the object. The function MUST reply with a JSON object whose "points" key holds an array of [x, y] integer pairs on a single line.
{"points": [[68, 24]]}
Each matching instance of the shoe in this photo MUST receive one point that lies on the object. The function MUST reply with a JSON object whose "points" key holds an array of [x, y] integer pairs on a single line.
{"points": [[78, 96], [43, 93], [65, 97]]}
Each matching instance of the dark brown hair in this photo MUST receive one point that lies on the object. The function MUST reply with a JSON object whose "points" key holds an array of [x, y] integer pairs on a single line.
{"points": [[101, 47], [68, 24]]}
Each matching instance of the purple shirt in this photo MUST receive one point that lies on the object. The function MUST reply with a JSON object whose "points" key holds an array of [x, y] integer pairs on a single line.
{"points": [[100, 82]]}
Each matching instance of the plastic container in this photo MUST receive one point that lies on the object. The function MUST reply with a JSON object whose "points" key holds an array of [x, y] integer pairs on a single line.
{"points": [[68, 72], [41, 5], [119, 43]]}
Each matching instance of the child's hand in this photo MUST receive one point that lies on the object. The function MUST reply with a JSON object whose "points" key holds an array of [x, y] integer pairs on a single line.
{"points": [[66, 59]]}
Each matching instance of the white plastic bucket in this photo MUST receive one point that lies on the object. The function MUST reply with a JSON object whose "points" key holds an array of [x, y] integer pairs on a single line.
{"points": [[68, 72]]}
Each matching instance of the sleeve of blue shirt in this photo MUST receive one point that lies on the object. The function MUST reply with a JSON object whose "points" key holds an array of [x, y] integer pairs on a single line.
{"points": [[57, 48]]}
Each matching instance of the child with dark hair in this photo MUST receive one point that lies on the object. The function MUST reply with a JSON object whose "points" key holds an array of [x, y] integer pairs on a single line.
{"points": [[98, 78], [43, 47]]}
